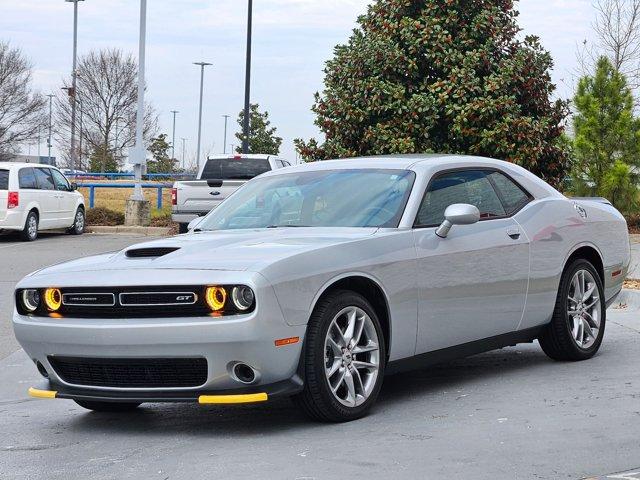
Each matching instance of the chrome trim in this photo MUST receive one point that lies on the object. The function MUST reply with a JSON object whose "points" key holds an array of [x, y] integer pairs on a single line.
{"points": [[194, 294], [113, 300]]}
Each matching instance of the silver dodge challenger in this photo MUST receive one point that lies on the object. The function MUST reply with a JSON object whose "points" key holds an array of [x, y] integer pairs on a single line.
{"points": [[318, 280]]}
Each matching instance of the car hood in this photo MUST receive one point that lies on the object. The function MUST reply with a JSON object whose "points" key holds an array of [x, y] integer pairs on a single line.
{"points": [[234, 250]]}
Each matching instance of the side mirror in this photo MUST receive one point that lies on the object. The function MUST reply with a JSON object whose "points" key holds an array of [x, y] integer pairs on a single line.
{"points": [[458, 214], [193, 224], [74, 186]]}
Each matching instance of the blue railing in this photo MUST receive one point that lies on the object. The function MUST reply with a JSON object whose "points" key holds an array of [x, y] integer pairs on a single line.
{"points": [[92, 189], [130, 175]]}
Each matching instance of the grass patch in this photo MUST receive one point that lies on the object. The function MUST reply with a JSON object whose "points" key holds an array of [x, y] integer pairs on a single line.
{"points": [[116, 198]]}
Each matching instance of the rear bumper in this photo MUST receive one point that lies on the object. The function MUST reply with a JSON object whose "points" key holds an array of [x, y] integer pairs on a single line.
{"points": [[12, 220], [186, 217]]}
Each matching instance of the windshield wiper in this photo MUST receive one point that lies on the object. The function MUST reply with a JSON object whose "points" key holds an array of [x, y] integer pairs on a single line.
{"points": [[287, 226]]}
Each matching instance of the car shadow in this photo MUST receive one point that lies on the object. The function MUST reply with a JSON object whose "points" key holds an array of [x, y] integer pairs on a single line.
{"points": [[281, 415]]}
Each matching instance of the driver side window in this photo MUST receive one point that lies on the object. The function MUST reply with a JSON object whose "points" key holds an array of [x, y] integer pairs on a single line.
{"points": [[465, 186], [61, 182]]}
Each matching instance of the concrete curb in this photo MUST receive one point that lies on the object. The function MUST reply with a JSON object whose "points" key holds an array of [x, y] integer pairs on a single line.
{"points": [[121, 229], [627, 300]]}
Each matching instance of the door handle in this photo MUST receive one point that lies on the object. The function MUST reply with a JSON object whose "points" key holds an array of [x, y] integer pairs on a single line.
{"points": [[513, 232]]}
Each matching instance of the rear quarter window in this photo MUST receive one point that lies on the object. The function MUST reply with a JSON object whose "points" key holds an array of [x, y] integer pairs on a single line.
{"points": [[4, 179]]}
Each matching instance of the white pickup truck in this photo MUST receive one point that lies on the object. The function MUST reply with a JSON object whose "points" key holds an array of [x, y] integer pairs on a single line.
{"points": [[217, 178]]}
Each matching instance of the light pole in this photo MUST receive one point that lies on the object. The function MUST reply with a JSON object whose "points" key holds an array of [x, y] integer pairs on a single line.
{"points": [[202, 65], [247, 83], [173, 141], [224, 143], [51, 95], [138, 152], [72, 92], [183, 142]]}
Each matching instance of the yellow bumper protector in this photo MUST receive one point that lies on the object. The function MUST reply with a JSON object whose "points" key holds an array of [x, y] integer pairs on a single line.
{"points": [[225, 399], [34, 392]]}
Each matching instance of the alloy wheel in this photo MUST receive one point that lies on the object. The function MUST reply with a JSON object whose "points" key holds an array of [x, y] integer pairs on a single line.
{"points": [[584, 309], [352, 356]]}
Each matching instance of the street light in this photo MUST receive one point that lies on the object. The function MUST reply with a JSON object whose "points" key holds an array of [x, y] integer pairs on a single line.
{"points": [[224, 143], [72, 92], [183, 142], [202, 65], [51, 95], [138, 153], [247, 83], [173, 141]]}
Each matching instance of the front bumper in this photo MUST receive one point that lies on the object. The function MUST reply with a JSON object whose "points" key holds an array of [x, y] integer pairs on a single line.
{"points": [[222, 341]]}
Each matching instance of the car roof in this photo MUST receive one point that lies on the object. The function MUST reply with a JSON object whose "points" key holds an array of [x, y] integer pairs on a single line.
{"points": [[24, 164], [425, 163]]}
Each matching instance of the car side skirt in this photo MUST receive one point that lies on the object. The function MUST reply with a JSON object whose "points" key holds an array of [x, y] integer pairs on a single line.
{"points": [[465, 350]]}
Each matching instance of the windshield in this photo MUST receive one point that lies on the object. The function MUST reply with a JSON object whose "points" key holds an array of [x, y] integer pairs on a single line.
{"points": [[326, 198], [234, 168]]}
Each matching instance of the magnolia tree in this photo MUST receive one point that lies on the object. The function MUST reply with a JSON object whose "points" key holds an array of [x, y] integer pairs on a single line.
{"points": [[448, 76]]}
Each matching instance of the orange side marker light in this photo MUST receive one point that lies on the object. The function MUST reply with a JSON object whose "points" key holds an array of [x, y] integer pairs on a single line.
{"points": [[286, 341]]}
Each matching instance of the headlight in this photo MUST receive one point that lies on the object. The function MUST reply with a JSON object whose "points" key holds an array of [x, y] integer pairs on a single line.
{"points": [[53, 299], [216, 297], [30, 300], [242, 297]]}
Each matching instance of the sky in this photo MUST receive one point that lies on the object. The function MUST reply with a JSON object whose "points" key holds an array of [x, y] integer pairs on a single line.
{"points": [[291, 41]]}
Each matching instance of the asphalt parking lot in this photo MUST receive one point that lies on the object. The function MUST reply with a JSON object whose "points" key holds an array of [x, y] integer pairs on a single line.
{"points": [[510, 414]]}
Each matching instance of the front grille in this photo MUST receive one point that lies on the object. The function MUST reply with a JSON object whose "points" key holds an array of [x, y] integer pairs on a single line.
{"points": [[131, 372], [137, 302], [150, 252]]}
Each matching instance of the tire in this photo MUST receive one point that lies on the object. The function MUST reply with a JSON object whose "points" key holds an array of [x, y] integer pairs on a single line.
{"points": [[183, 227], [107, 406], [30, 231], [79, 221], [317, 399], [561, 338]]}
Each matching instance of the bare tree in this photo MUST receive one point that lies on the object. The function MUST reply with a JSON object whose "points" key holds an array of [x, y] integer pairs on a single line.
{"points": [[617, 29], [106, 96], [21, 110]]}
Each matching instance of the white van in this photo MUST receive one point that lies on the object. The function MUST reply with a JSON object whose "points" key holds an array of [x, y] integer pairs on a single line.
{"points": [[37, 197]]}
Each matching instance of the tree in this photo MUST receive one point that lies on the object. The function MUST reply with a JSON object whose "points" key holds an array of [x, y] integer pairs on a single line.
{"points": [[107, 95], [21, 110], [606, 135], [161, 163], [441, 76], [617, 31], [262, 137], [101, 160]]}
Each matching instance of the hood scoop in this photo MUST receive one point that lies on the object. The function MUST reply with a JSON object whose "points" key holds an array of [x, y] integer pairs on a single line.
{"points": [[151, 252]]}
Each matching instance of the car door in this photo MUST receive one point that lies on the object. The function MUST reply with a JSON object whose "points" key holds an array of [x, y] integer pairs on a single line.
{"points": [[48, 202], [66, 198], [473, 283]]}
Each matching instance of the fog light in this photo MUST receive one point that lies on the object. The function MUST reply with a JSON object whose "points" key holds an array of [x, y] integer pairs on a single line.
{"points": [[216, 298], [30, 300], [53, 299], [242, 297]]}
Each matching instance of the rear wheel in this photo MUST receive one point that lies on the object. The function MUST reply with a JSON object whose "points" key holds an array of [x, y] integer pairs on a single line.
{"points": [[30, 231], [108, 406], [344, 359], [577, 327]]}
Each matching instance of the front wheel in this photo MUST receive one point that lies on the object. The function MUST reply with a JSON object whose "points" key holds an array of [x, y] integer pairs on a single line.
{"points": [[108, 406], [344, 359], [78, 223], [577, 326]]}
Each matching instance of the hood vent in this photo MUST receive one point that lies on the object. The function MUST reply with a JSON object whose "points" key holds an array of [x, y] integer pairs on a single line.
{"points": [[152, 252]]}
